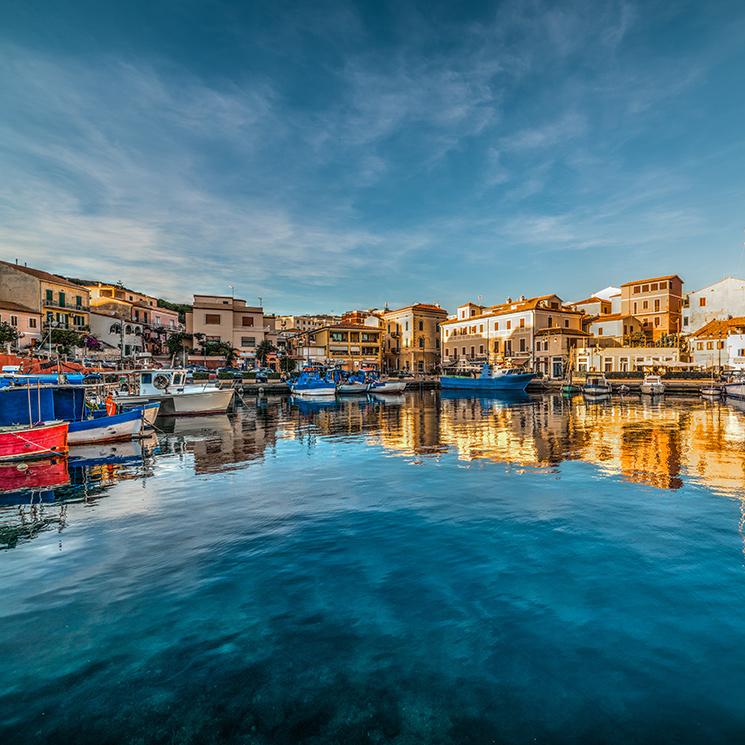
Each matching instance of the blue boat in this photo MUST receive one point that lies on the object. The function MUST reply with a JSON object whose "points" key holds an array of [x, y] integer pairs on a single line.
{"points": [[308, 383], [501, 379]]}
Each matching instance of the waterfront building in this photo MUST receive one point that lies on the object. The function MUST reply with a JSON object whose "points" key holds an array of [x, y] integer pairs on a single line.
{"points": [[305, 322], [613, 328], [412, 338], [588, 358], [144, 327], [372, 317], [656, 302], [592, 306], [723, 299], [505, 334], [720, 344], [26, 321], [347, 345], [224, 318], [554, 347], [121, 337], [59, 302]]}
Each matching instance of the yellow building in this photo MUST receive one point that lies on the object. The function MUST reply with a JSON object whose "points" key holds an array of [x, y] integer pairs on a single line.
{"points": [[347, 345], [56, 299], [412, 338]]}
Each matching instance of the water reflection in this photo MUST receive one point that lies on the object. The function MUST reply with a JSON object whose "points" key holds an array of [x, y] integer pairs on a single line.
{"points": [[663, 443]]}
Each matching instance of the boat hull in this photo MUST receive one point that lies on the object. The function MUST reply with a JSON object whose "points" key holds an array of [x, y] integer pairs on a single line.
{"points": [[28, 443], [652, 390], [596, 390], [327, 390], [500, 383], [353, 387], [734, 390], [215, 401], [124, 426]]}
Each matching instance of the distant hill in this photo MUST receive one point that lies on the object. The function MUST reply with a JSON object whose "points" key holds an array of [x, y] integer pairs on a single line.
{"points": [[182, 308]]}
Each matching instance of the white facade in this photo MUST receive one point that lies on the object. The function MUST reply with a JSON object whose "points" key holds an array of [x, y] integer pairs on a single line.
{"points": [[107, 328], [624, 359], [718, 301]]}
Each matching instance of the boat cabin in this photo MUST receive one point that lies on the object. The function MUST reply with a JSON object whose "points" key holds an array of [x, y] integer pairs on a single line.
{"points": [[155, 382]]}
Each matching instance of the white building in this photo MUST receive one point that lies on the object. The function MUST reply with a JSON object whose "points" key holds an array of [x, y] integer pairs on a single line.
{"points": [[625, 359], [717, 301], [719, 344]]}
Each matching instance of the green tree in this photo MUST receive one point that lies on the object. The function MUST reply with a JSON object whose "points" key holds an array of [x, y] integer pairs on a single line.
{"points": [[263, 350], [8, 333], [287, 364], [66, 339], [174, 342]]}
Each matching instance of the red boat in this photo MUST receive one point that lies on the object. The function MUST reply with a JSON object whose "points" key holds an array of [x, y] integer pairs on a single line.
{"points": [[40, 441]]}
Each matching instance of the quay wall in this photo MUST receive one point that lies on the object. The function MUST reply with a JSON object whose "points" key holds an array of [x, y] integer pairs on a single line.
{"points": [[682, 387]]}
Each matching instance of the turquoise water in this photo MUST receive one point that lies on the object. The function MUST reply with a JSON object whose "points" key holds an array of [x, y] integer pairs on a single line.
{"points": [[434, 570]]}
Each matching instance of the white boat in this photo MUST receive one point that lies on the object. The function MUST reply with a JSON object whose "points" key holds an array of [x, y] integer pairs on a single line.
{"points": [[596, 385], [310, 384], [387, 386], [176, 397], [652, 385], [124, 426]]}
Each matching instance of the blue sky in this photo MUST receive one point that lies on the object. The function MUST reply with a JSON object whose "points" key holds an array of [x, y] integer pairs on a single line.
{"points": [[337, 155]]}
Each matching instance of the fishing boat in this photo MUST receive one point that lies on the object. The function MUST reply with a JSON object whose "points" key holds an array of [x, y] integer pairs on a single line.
{"points": [[387, 386], [652, 385], [596, 385], [497, 379], [125, 426], [170, 389], [356, 383], [735, 386], [309, 383], [23, 442]]}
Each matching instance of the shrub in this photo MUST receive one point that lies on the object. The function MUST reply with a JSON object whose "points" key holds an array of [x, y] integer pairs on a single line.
{"points": [[201, 376], [273, 376], [225, 376]]}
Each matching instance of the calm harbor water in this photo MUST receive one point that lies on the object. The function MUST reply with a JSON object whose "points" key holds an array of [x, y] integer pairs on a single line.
{"points": [[424, 570]]}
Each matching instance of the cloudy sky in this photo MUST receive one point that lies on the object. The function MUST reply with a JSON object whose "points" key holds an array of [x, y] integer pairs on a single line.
{"points": [[336, 155]]}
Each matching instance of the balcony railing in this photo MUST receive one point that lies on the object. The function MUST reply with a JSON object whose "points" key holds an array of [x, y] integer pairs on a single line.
{"points": [[66, 306]]}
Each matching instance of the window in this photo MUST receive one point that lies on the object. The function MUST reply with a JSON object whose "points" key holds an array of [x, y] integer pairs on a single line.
{"points": [[550, 321], [473, 351], [635, 309], [464, 350], [566, 323], [702, 302], [481, 328], [657, 305], [421, 342], [710, 345], [637, 290], [496, 345], [369, 350], [213, 319], [14, 320], [406, 326], [32, 323], [50, 296], [370, 337], [481, 349], [522, 323], [509, 325], [61, 299], [78, 300], [685, 321], [600, 331], [700, 345], [247, 321], [496, 326], [645, 305], [421, 325], [437, 343], [645, 288], [657, 321], [131, 298], [248, 341], [663, 285], [522, 344], [653, 286]]}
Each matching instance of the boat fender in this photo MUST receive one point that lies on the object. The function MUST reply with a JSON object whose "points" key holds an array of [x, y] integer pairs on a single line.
{"points": [[160, 381]]}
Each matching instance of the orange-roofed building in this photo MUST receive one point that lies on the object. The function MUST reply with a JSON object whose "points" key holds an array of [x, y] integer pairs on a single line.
{"points": [[656, 302], [412, 338]]}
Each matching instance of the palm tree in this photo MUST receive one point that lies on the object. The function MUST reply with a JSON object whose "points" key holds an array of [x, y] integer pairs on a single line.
{"points": [[263, 350]]}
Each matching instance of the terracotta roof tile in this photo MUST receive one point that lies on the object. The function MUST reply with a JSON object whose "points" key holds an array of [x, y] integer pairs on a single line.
{"points": [[43, 276]]}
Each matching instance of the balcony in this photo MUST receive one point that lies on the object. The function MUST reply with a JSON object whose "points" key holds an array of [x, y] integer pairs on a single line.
{"points": [[64, 306]]}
